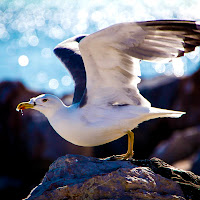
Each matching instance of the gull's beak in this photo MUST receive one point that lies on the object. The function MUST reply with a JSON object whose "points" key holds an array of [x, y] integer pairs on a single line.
{"points": [[24, 105]]}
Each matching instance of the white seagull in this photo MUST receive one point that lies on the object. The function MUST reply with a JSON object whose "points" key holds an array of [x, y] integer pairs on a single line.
{"points": [[107, 103]]}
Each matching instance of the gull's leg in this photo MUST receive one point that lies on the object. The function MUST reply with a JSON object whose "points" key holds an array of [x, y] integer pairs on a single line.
{"points": [[129, 153]]}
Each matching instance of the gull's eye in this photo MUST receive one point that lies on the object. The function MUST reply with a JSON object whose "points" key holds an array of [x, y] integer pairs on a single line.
{"points": [[44, 100]]}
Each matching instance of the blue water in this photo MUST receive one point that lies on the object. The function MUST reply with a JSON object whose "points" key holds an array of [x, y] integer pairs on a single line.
{"points": [[34, 28]]}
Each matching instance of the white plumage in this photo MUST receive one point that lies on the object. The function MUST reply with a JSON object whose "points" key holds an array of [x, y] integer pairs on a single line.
{"points": [[107, 103]]}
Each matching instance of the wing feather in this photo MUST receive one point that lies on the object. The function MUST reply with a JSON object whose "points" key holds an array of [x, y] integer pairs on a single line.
{"points": [[69, 54], [111, 56]]}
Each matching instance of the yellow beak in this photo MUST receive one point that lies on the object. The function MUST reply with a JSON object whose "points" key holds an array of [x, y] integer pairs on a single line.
{"points": [[24, 105]]}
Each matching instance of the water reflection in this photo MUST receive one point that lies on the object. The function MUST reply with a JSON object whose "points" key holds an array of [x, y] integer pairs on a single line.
{"points": [[34, 28]]}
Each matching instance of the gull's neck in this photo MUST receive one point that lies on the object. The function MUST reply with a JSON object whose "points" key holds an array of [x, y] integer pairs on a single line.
{"points": [[61, 109], [50, 112]]}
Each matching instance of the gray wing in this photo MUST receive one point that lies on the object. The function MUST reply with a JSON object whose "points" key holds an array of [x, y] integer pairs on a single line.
{"points": [[167, 39], [111, 56]]}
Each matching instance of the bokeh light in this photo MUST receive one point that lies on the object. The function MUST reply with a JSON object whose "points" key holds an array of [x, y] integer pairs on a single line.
{"points": [[46, 53], [53, 83], [23, 60], [42, 77], [178, 67], [33, 40], [34, 28], [159, 67], [194, 55], [66, 80]]}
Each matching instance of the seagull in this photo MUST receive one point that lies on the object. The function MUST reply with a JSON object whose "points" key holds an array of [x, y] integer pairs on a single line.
{"points": [[105, 67]]}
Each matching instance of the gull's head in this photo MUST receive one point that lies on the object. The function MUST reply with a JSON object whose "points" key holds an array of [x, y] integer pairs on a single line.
{"points": [[45, 103]]}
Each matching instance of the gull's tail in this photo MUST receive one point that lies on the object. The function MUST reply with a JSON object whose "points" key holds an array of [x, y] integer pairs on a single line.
{"points": [[159, 113]]}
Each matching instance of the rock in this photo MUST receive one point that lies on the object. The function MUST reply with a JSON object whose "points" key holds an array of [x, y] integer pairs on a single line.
{"points": [[195, 167], [189, 182], [180, 145], [79, 177]]}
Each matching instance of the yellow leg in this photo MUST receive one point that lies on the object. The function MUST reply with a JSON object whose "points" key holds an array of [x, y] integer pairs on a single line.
{"points": [[129, 154], [130, 151]]}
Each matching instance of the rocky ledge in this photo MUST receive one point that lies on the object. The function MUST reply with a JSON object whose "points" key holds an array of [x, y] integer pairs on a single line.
{"points": [[80, 177]]}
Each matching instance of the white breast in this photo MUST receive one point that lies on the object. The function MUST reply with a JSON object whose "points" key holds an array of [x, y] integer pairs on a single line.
{"points": [[76, 129]]}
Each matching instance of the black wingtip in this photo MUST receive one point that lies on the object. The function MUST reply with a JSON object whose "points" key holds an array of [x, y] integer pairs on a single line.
{"points": [[57, 51], [78, 39]]}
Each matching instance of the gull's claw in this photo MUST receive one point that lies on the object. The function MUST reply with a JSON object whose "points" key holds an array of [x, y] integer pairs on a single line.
{"points": [[130, 152], [126, 156]]}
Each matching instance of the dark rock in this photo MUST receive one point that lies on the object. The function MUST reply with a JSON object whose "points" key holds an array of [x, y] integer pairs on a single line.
{"points": [[180, 145], [79, 177], [189, 182], [196, 164]]}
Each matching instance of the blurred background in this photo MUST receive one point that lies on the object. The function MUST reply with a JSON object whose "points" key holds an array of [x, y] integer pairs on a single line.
{"points": [[29, 30]]}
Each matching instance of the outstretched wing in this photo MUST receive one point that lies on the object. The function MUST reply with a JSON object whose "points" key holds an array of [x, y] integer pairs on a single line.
{"points": [[69, 54], [111, 56]]}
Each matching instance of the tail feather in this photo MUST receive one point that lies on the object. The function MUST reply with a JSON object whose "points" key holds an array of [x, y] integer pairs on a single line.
{"points": [[159, 113]]}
